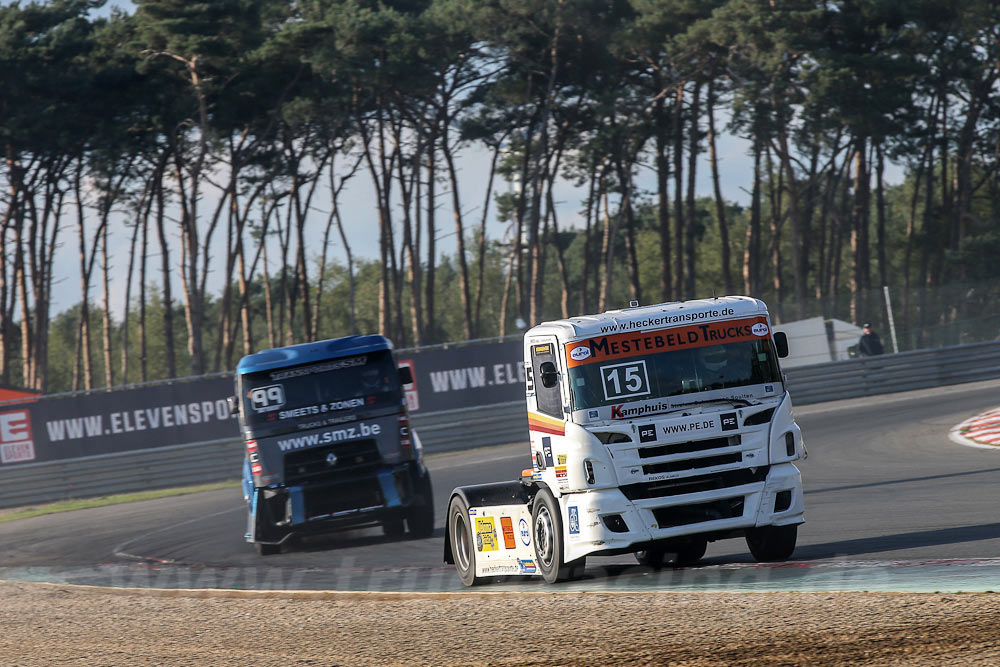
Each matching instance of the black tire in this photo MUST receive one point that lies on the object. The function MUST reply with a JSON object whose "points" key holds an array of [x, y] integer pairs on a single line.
{"points": [[652, 556], [265, 549], [769, 544], [690, 552], [393, 527], [420, 519], [547, 533], [680, 554], [463, 547]]}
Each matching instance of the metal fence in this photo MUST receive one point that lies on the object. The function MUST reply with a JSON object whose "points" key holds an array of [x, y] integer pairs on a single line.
{"points": [[452, 430]]}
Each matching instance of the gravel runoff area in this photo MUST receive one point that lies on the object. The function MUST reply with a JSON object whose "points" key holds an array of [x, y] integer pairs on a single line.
{"points": [[46, 624]]}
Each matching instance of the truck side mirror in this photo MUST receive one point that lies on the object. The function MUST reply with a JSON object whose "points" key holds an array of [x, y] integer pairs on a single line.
{"points": [[405, 375], [781, 343], [234, 405], [549, 375]]}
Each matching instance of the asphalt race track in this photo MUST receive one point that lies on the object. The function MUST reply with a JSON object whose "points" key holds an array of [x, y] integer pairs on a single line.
{"points": [[891, 504]]}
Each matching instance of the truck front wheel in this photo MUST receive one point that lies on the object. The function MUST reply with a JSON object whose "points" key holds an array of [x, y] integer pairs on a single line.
{"points": [[548, 535], [772, 543], [463, 548]]}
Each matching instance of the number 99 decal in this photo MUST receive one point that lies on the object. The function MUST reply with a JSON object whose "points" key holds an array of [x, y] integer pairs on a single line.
{"points": [[266, 399], [625, 380]]}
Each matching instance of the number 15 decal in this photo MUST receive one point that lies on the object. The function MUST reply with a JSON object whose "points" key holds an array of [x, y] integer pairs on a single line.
{"points": [[625, 380]]}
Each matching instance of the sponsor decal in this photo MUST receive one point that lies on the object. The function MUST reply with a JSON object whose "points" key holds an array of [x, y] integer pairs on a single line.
{"points": [[621, 412], [502, 569], [561, 459], [486, 534], [522, 529], [759, 329], [16, 443], [625, 345], [701, 425], [647, 433], [547, 450], [508, 532], [527, 566], [334, 406], [560, 472], [666, 320], [541, 350], [574, 520], [537, 422], [362, 430], [580, 352], [769, 388], [730, 422], [593, 414], [349, 362], [472, 511]]}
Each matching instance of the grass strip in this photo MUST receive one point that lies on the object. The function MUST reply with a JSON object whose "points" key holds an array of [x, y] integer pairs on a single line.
{"points": [[118, 498]]}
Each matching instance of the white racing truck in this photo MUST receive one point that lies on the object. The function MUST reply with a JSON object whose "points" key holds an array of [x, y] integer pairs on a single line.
{"points": [[654, 430]]}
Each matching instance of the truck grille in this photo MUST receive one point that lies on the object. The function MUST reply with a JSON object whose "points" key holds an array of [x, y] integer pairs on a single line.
{"points": [[683, 515], [687, 447], [352, 458], [694, 484], [692, 464]]}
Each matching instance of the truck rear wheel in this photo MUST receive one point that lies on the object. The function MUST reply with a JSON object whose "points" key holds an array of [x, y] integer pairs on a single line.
{"points": [[393, 528], [772, 543], [420, 519], [683, 553], [268, 549], [463, 548], [547, 531]]}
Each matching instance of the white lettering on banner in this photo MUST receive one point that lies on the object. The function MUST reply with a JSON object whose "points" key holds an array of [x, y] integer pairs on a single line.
{"points": [[474, 377], [143, 419], [16, 444]]}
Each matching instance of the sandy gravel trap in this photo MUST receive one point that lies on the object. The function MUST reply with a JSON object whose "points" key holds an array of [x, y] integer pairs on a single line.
{"points": [[45, 624]]}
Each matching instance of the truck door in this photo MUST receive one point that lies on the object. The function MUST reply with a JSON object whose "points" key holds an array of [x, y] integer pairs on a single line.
{"points": [[546, 369]]}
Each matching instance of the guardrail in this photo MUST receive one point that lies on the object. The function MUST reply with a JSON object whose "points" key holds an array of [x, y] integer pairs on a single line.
{"points": [[889, 373], [464, 428]]}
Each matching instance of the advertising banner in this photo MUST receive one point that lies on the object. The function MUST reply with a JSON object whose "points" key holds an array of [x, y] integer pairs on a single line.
{"points": [[464, 376], [195, 410], [51, 429]]}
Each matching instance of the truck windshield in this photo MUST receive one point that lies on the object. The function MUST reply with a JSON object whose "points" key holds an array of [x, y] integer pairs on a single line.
{"points": [[327, 392], [673, 373]]}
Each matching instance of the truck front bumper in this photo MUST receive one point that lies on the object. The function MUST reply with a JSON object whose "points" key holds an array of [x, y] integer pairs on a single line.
{"points": [[606, 521]]}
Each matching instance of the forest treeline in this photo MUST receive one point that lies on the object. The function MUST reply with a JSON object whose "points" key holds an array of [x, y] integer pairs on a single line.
{"points": [[183, 127]]}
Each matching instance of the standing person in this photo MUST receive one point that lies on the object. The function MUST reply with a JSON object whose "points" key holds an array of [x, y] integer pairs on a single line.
{"points": [[869, 345]]}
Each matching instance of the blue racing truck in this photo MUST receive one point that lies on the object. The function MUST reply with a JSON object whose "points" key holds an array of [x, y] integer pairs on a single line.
{"points": [[328, 442]]}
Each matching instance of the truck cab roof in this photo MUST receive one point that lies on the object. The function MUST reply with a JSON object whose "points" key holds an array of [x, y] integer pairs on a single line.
{"points": [[305, 353], [657, 316]]}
